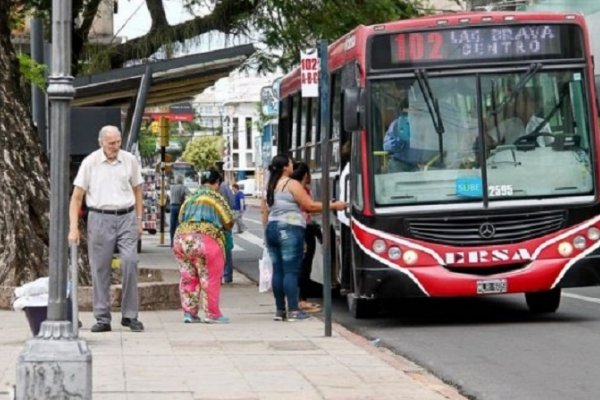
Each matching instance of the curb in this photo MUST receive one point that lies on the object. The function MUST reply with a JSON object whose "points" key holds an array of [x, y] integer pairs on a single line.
{"points": [[412, 370]]}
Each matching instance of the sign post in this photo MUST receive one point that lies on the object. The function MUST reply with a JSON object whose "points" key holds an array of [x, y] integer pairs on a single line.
{"points": [[324, 92], [164, 142]]}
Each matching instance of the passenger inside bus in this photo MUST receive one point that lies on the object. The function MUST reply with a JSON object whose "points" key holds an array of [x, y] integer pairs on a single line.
{"points": [[412, 141]]}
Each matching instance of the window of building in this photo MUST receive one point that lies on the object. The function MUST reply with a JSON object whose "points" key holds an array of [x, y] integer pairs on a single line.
{"points": [[235, 130], [248, 132]]}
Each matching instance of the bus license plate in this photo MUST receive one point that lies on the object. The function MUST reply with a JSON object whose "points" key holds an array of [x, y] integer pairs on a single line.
{"points": [[491, 286]]}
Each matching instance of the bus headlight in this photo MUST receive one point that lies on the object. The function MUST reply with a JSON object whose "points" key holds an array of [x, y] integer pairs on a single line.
{"points": [[394, 253], [579, 242], [410, 257], [593, 234], [565, 249], [379, 246]]}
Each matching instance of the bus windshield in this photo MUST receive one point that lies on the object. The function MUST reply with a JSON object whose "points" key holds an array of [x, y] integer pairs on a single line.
{"points": [[434, 140]]}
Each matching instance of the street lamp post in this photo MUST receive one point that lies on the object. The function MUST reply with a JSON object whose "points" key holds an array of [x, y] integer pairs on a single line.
{"points": [[56, 363]]}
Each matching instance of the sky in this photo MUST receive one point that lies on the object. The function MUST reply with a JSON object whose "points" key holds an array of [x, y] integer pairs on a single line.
{"points": [[133, 19]]}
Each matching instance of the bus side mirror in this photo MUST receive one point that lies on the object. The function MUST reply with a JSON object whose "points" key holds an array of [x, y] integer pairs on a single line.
{"points": [[353, 109]]}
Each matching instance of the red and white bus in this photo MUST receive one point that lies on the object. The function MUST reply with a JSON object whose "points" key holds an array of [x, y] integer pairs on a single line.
{"points": [[473, 167]]}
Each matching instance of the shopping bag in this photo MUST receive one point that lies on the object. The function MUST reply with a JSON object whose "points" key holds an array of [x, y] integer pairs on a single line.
{"points": [[265, 272]]}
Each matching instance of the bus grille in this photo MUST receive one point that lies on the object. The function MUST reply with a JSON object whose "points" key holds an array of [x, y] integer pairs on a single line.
{"points": [[486, 229]]}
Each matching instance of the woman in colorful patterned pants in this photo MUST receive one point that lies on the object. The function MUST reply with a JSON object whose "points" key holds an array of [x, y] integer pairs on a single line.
{"points": [[199, 248]]}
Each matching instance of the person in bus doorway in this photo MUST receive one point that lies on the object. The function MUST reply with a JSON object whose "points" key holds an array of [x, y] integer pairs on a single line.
{"points": [[523, 121], [284, 233], [239, 207], [227, 193], [199, 247], [110, 179], [178, 193], [311, 235]]}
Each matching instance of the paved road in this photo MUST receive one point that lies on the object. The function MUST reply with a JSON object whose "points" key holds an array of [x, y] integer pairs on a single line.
{"points": [[491, 348]]}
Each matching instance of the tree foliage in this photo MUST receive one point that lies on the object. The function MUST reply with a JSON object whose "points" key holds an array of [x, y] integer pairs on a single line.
{"points": [[147, 147], [284, 27], [289, 26], [203, 151]]}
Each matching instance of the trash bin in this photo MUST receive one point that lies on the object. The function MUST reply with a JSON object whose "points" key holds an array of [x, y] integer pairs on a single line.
{"points": [[37, 315], [33, 299]]}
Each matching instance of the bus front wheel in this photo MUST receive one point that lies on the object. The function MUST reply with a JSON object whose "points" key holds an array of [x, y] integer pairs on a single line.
{"points": [[543, 302], [360, 307]]}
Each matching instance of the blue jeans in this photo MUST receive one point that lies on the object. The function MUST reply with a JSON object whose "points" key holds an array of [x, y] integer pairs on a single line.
{"points": [[173, 220], [285, 243]]}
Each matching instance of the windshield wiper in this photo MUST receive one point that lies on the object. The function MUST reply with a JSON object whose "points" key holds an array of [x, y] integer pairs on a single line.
{"points": [[518, 88], [434, 108]]}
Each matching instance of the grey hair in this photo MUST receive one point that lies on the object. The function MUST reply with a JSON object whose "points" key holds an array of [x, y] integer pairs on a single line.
{"points": [[106, 129]]}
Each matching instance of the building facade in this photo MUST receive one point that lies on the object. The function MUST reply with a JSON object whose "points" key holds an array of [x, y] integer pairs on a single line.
{"points": [[232, 108]]}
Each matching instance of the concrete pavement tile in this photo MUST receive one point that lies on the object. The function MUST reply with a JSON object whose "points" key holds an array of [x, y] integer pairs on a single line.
{"points": [[107, 374], [228, 395], [244, 346], [263, 361], [150, 361], [160, 396], [108, 343], [306, 395], [338, 345], [109, 396], [155, 379], [361, 360], [293, 346], [331, 376], [159, 347], [383, 375], [308, 361], [349, 393], [216, 361], [285, 381]]}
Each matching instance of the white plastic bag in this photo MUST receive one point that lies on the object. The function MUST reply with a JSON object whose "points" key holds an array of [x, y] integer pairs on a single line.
{"points": [[39, 286], [265, 272]]}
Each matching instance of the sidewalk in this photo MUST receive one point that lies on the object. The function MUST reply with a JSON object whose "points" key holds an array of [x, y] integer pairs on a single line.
{"points": [[254, 357]]}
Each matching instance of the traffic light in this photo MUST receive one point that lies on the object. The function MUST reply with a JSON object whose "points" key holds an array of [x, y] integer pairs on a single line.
{"points": [[164, 132]]}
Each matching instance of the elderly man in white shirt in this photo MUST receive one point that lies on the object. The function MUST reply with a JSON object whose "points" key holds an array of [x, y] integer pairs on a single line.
{"points": [[110, 179]]}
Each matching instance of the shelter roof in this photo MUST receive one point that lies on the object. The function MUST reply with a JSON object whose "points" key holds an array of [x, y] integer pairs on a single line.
{"points": [[173, 80]]}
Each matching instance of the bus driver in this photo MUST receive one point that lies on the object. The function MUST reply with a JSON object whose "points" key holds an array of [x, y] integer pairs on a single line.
{"points": [[523, 122]]}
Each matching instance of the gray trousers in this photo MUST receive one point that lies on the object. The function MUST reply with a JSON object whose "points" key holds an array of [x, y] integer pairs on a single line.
{"points": [[104, 233]]}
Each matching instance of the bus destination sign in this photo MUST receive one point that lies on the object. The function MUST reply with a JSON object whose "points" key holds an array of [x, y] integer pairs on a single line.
{"points": [[479, 43], [485, 43]]}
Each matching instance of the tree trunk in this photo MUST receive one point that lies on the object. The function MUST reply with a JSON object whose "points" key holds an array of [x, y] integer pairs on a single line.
{"points": [[24, 198]]}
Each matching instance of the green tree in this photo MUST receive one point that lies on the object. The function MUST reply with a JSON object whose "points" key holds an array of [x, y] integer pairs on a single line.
{"points": [[147, 147], [291, 26], [203, 151]]}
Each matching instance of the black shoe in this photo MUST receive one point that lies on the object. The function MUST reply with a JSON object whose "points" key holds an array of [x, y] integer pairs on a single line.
{"points": [[133, 324], [100, 327]]}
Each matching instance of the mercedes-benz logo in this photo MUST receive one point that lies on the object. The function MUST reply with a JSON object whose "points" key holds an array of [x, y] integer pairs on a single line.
{"points": [[487, 230]]}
